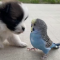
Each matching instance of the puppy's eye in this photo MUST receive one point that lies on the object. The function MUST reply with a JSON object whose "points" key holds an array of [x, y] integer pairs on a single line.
{"points": [[26, 17]]}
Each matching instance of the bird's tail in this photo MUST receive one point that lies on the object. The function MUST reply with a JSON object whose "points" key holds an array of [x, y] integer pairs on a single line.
{"points": [[55, 46]]}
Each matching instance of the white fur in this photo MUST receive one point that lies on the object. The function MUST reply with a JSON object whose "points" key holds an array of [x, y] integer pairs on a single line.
{"points": [[12, 38], [25, 10]]}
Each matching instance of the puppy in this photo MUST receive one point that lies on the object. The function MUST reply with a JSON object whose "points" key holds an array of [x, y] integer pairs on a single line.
{"points": [[12, 17]]}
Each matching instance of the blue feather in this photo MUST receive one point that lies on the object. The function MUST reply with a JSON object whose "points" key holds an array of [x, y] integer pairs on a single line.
{"points": [[38, 42]]}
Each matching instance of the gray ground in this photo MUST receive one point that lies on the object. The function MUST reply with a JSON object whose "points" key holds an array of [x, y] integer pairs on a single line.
{"points": [[50, 13]]}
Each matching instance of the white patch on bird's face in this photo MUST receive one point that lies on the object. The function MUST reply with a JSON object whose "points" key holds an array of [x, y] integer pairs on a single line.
{"points": [[21, 24]]}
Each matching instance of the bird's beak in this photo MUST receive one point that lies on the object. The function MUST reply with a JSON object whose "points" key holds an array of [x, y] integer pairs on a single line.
{"points": [[31, 29], [32, 24]]}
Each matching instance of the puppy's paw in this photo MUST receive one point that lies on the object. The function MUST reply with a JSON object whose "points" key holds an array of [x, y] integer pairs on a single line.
{"points": [[22, 44]]}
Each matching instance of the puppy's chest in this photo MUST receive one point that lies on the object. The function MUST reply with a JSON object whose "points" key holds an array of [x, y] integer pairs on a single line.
{"points": [[4, 32], [4, 35]]}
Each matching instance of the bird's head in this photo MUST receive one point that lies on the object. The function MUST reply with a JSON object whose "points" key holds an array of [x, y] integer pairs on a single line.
{"points": [[38, 24]]}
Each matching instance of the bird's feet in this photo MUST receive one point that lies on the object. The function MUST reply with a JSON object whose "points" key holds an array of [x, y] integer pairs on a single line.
{"points": [[44, 56], [31, 49]]}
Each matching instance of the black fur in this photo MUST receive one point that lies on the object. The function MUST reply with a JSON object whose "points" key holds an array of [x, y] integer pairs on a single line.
{"points": [[11, 14]]}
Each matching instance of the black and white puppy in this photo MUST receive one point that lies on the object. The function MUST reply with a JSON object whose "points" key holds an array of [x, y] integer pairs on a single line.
{"points": [[12, 17]]}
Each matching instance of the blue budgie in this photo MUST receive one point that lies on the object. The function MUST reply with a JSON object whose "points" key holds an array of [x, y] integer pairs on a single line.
{"points": [[39, 38]]}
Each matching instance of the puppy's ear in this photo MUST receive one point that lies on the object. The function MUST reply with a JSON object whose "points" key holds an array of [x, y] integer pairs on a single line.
{"points": [[5, 7]]}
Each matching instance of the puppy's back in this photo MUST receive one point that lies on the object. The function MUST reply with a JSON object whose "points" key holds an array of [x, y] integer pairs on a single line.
{"points": [[9, 0]]}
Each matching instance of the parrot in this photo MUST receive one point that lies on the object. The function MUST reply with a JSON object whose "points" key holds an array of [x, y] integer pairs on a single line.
{"points": [[39, 37]]}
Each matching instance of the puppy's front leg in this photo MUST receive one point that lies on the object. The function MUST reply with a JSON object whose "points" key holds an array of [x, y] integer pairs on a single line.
{"points": [[15, 40], [1, 44]]}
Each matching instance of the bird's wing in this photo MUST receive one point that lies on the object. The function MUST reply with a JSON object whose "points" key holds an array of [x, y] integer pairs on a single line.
{"points": [[48, 41]]}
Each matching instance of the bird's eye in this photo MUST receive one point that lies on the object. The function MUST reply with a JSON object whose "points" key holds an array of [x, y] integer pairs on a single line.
{"points": [[34, 24]]}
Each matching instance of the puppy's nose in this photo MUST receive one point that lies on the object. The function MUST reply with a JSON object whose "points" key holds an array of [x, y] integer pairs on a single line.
{"points": [[23, 28]]}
